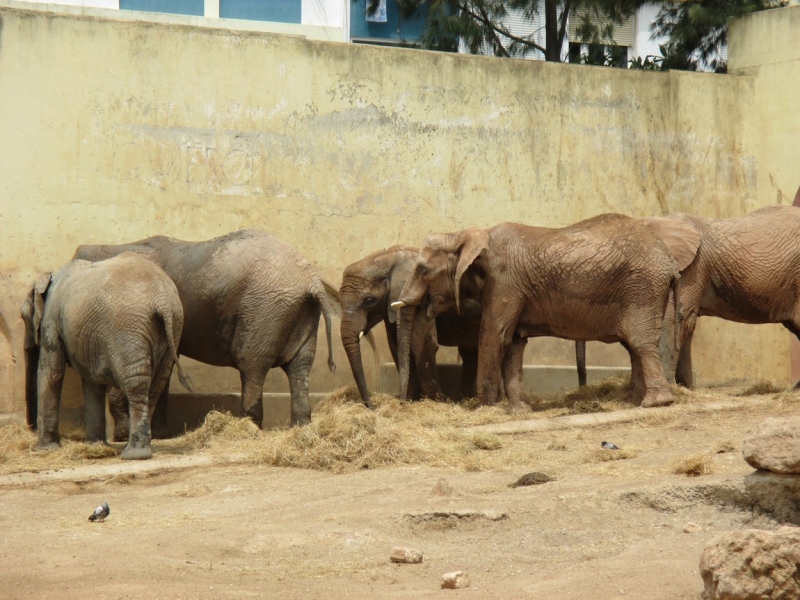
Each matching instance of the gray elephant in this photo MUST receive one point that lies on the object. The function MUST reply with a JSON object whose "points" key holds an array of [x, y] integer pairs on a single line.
{"points": [[250, 301], [745, 269], [370, 285], [608, 278], [118, 323]]}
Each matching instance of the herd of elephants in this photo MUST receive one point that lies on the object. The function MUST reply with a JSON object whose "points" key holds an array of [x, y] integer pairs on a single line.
{"points": [[122, 314]]}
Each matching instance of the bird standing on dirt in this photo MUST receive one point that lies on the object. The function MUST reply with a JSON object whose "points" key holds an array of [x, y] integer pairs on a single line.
{"points": [[609, 446], [100, 513]]}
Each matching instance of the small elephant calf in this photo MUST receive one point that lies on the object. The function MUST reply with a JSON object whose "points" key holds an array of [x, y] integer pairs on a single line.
{"points": [[118, 322]]}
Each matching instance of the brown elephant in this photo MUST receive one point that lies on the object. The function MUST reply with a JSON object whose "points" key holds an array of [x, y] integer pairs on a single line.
{"points": [[250, 301], [745, 269], [370, 285], [607, 278], [118, 323]]}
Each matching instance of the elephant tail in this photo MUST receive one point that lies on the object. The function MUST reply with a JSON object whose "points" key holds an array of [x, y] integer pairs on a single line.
{"points": [[677, 333], [328, 297], [165, 312]]}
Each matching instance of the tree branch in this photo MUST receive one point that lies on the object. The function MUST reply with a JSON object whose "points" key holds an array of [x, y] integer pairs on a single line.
{"points": [[562, 30], [501, 31], [498, 43]]}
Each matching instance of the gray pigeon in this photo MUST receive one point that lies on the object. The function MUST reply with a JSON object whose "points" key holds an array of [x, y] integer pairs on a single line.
{"points": [[609, 446], [100, 513]]}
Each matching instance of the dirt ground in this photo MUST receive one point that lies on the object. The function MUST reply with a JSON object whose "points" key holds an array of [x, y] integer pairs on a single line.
{"points": [[601, 529]]}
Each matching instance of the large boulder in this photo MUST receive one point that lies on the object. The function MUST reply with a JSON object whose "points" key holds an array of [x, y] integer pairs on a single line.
{"points": [[752, 565], [774, 445]]}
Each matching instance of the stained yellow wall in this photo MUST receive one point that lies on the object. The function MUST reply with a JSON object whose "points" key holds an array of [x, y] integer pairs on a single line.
{"points": [[114, 129]]}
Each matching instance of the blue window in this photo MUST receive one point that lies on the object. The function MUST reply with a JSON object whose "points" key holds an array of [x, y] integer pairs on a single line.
{"points": [[178, 7], [280, 11], [395, 28]]}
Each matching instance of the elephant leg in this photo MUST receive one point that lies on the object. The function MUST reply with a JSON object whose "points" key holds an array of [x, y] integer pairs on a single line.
{"points": [[298, 370], [94, 402], [138, 447], [683, 374], [494, 340], [158, 397], [252, 390], [50, 378], [512, 371], [469, 372], [580, 362], [118, 407], [637, 387], [656, 388]]}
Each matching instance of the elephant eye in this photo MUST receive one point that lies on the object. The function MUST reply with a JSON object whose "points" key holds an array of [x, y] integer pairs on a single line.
{"points": [[370, 301]]}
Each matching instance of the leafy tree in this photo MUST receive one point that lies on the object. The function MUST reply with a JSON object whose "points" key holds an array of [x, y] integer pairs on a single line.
{"points": [[478, 24], [697, 31]]}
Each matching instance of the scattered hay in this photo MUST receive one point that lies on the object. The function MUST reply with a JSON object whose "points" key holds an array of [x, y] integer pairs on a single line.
{"points": [[693, 465], [725, 447], [17, 452], [220, 426], [191, 491], [605, 395], [486, 441], [553, 445], [761, 388], [598, 455]]}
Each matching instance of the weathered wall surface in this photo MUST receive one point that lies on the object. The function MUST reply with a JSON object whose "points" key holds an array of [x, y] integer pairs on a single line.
{"points": [[114, 130]]}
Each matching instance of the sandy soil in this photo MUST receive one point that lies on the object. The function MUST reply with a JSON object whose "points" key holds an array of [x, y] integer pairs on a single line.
{"points": [[601, 529]]}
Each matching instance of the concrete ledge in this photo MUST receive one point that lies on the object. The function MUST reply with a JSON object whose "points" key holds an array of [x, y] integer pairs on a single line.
{"points": [[542, 380]]}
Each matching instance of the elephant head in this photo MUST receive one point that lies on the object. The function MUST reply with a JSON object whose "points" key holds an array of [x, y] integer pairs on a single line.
{"points": [[32, 311], [368, 289], [437, 284]]}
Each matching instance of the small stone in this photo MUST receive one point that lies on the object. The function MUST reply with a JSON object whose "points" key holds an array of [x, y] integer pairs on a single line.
{"points": [[409, 556], [774, 445], [455, 580], [534, 478], [691, 528]]}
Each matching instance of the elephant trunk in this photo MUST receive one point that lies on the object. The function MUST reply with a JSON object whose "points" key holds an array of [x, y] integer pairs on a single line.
{"points": [[31, 386], [351, 332], [405, 331]]}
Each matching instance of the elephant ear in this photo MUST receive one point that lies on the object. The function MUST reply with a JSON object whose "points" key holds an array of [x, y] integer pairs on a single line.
{"points": [[680, 235], [39, 289], [474, 242], [396, 281]]}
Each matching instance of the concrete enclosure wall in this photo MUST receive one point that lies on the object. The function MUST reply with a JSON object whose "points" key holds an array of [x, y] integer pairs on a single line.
{"points": [[116, 129]]}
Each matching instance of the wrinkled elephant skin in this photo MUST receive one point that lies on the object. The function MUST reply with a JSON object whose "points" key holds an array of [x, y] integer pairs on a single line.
{"points": [[118, 323]]}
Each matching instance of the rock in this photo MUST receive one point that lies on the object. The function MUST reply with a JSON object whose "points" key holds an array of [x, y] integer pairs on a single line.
{"points": [[774, 445], [458, 514], [534, 478], [405, 555], [750, 564], [455, 580], [692, 528]]}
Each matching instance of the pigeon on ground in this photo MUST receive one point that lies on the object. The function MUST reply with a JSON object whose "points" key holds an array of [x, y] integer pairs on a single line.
{"points": [[609, 446], [100, 513]]}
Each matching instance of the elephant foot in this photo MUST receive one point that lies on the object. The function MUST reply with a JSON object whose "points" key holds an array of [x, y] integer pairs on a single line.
{"points": [[514, 407], [43, 445], [658, 397], [96, 439], [141, 453], [121, 436], [300, 422]]}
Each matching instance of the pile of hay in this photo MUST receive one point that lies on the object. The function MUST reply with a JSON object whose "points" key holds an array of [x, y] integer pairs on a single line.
{"points": [[17, 452], [346, 436]]}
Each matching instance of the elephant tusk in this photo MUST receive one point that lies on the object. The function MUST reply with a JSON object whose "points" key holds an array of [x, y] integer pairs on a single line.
{"points": [[398, 304], [360, 335]]}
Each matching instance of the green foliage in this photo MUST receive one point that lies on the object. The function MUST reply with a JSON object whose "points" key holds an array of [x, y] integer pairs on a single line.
{"points": [[698, 29]]}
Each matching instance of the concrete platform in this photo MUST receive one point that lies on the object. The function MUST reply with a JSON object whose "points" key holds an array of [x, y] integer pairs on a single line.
{"points": [[542, 380]]}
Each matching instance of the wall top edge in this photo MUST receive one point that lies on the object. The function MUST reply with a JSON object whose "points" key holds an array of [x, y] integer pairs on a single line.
{"points": [[762, 38], [313, 32]]}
